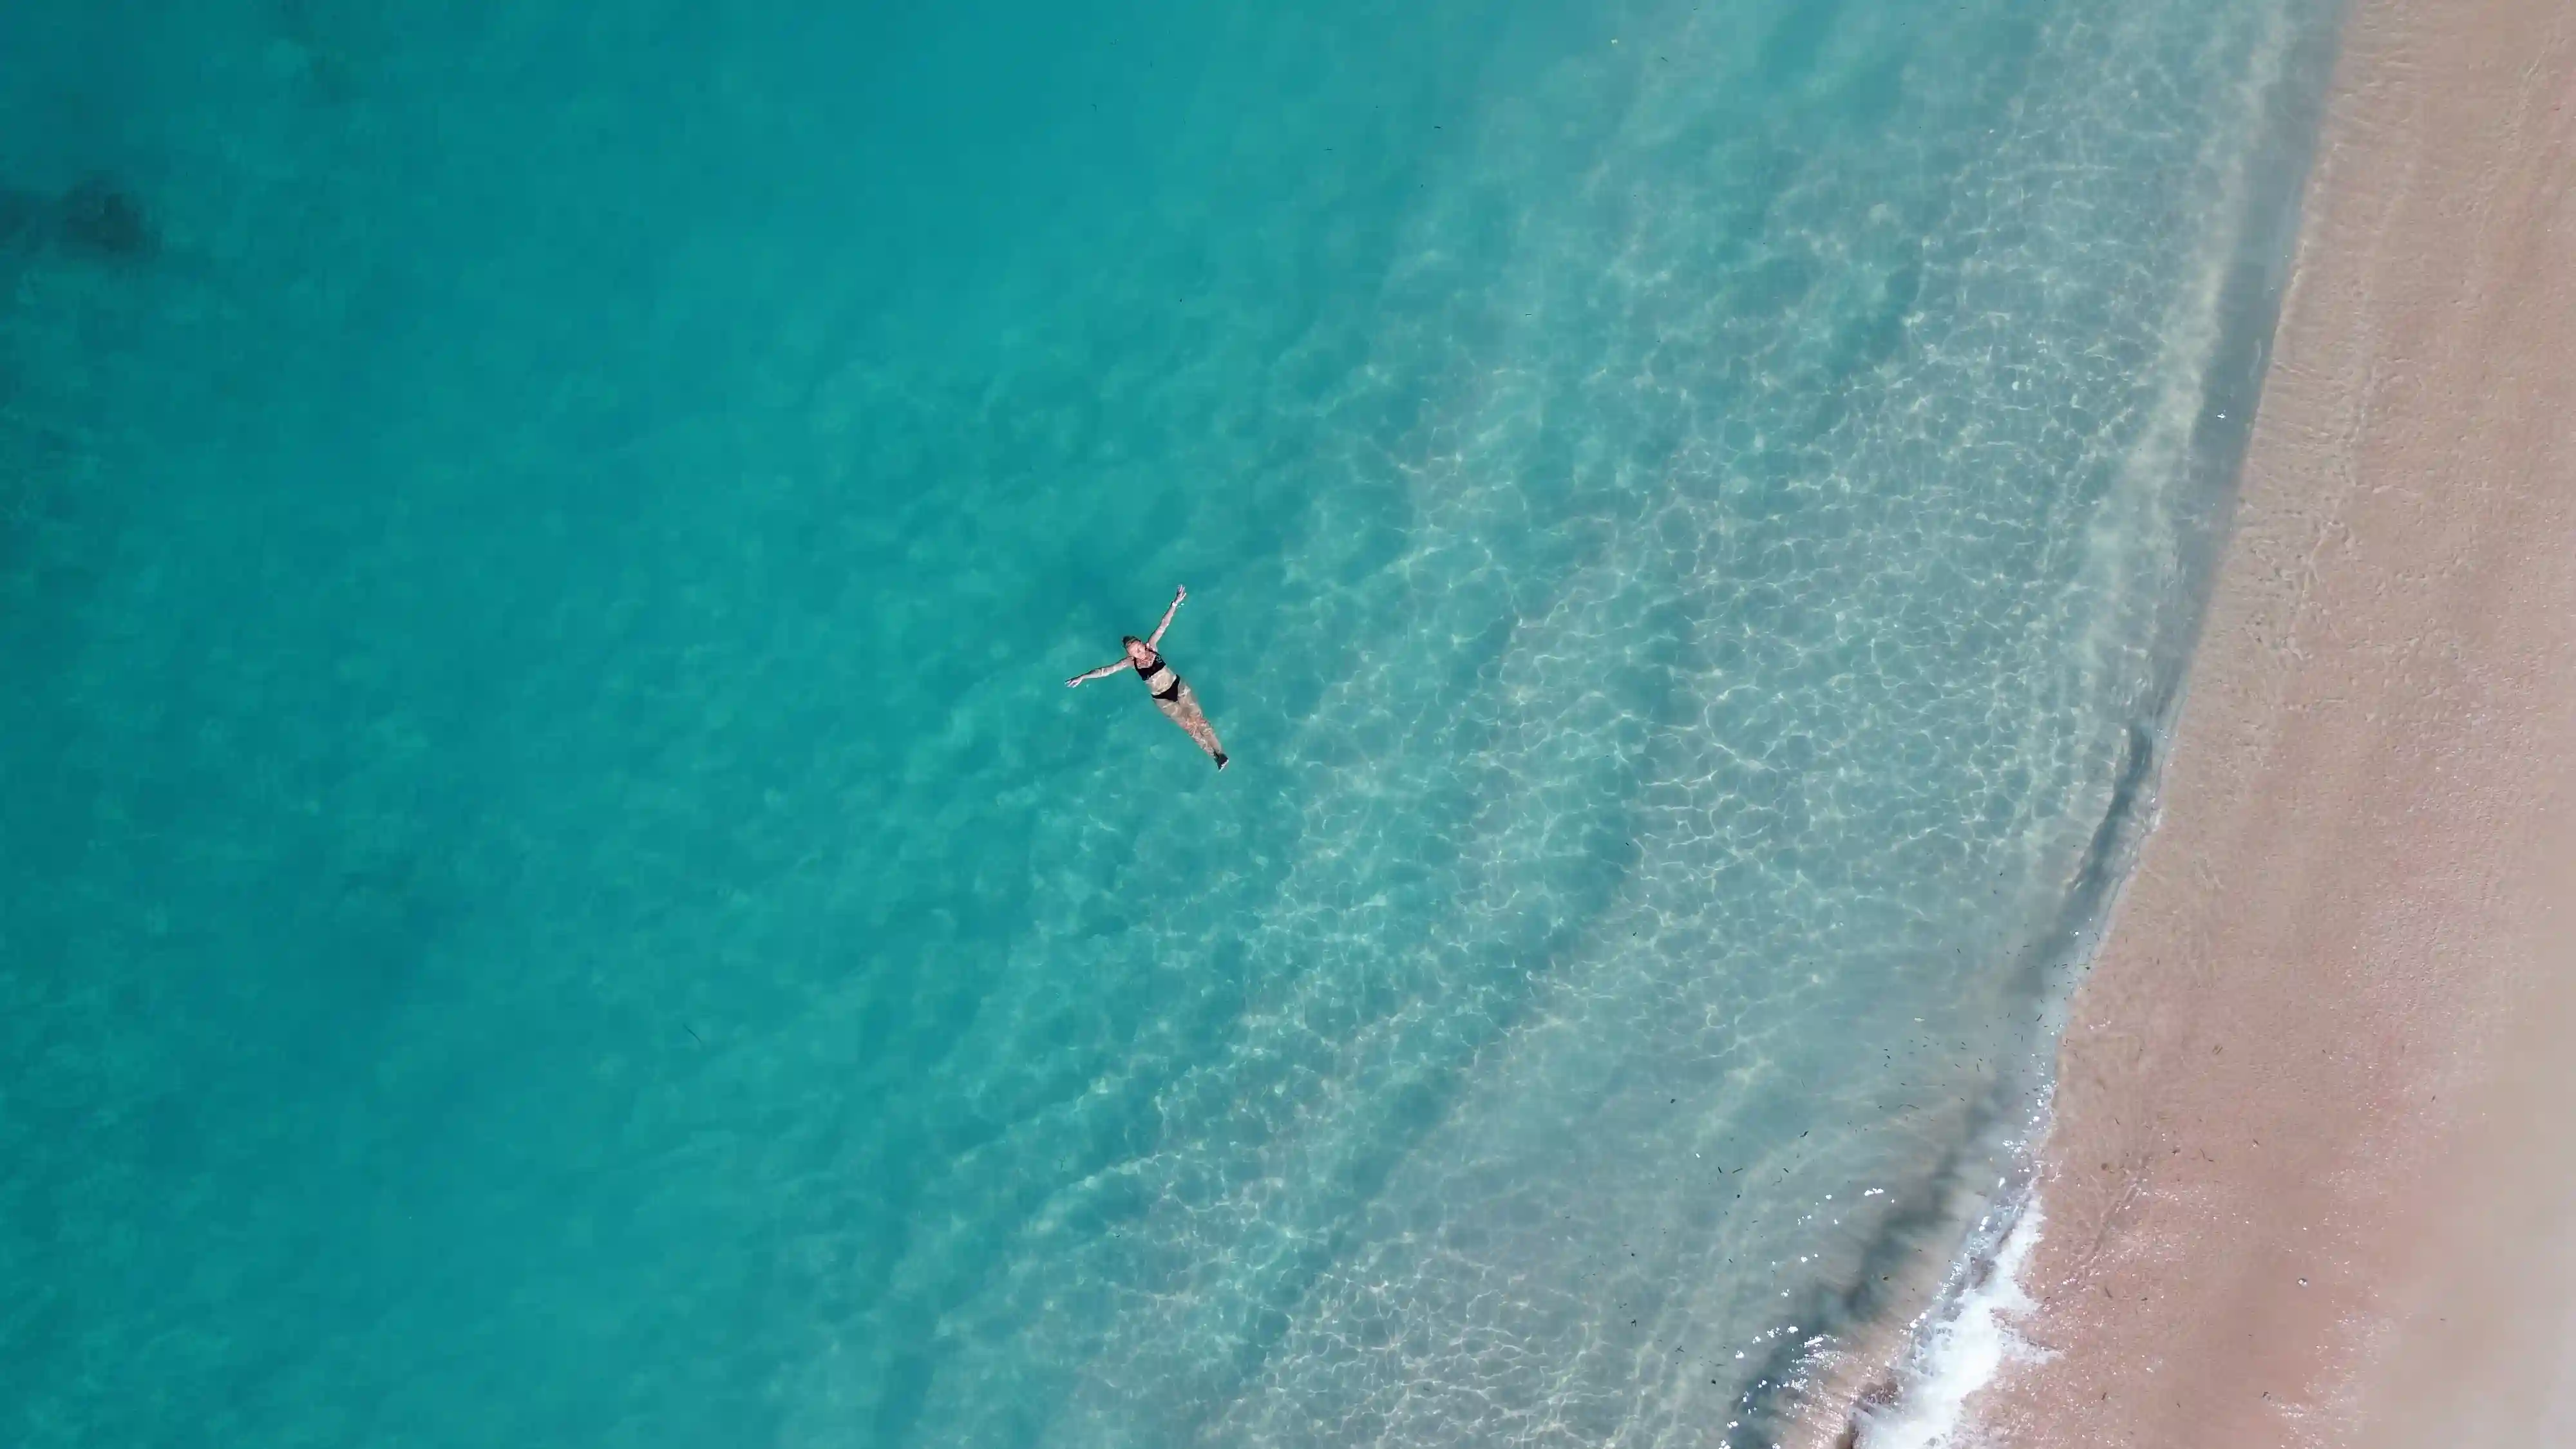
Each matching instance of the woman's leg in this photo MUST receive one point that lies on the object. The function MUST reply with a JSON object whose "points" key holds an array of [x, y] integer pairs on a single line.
{"points": [[1185, 712]]}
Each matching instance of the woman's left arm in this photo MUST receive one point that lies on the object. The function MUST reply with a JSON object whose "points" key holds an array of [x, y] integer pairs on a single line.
{"points": [[1156, 642]]}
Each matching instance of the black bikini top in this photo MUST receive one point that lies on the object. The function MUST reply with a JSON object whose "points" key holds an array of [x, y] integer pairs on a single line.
{"points": [[1146, 672]]}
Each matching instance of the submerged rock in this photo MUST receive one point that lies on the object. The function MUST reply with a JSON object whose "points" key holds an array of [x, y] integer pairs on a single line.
{"points": [[98, 218], [21, 212]]}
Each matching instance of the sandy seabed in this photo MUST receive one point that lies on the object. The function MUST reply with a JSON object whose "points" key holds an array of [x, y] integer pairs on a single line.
{"points": [[2311, 1178]]}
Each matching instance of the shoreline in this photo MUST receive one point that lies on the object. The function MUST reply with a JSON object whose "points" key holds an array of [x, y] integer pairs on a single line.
{"points": [[2292, 1053], [2339, 932], [1899, 1378]]}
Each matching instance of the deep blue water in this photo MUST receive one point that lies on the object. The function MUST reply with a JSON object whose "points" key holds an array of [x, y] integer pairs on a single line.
{"points": [[551, 891]]}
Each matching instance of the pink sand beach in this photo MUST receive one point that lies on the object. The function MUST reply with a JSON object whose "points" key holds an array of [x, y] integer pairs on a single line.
{"points": [[2311, 1178]]}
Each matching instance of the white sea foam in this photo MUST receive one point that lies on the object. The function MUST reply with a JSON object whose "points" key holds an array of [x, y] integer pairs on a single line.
{"points": [[1968, 1339]]}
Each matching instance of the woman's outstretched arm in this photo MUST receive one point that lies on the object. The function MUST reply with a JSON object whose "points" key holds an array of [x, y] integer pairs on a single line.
{"points": [[1156, 641], [1103, 672]]}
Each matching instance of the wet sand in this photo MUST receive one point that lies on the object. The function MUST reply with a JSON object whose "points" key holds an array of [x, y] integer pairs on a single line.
{"points": [[2311, 1179]]}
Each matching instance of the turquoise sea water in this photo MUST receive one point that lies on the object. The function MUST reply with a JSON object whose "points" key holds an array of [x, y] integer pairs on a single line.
{"points": [[551, 891]]}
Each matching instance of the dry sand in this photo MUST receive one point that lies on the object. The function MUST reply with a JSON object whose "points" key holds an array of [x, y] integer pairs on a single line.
{"points": [[2480, 1345], [2312, 1178]]}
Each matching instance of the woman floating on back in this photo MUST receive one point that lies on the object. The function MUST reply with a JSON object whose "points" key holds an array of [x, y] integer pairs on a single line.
{"points": [[1171, 696]]}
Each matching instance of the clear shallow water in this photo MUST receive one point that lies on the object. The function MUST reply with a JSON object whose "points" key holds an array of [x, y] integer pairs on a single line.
{"points": [[553, 893]]}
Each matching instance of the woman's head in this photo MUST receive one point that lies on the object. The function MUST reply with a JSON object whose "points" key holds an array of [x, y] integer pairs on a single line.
{"points": [[1138, 650]]}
